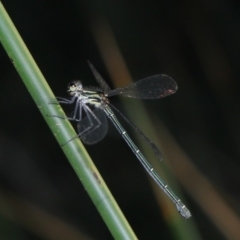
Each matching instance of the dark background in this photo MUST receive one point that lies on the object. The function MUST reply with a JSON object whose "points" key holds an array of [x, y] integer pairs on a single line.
{"points": [[196, 43]]}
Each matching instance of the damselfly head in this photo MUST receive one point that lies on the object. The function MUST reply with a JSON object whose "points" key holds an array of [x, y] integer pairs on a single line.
{"points": [[74, 87]]}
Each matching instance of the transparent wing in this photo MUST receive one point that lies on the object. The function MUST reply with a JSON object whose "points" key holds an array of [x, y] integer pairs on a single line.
{"points": [[157, 86], [93, 127], [105, 88]]}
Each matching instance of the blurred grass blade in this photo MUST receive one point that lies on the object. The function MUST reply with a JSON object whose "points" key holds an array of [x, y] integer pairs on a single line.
{"points": [[62, 130], [120, 76]]}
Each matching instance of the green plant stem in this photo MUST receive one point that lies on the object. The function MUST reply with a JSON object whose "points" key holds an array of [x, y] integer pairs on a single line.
{"points": [[62, 129]]}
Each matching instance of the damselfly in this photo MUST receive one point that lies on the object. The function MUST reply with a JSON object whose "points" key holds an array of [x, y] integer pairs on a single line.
{"points": [[92, 106]]}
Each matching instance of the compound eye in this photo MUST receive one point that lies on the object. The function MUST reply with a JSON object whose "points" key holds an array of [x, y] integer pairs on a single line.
{"points": [[72, 87], [79, 86]]}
